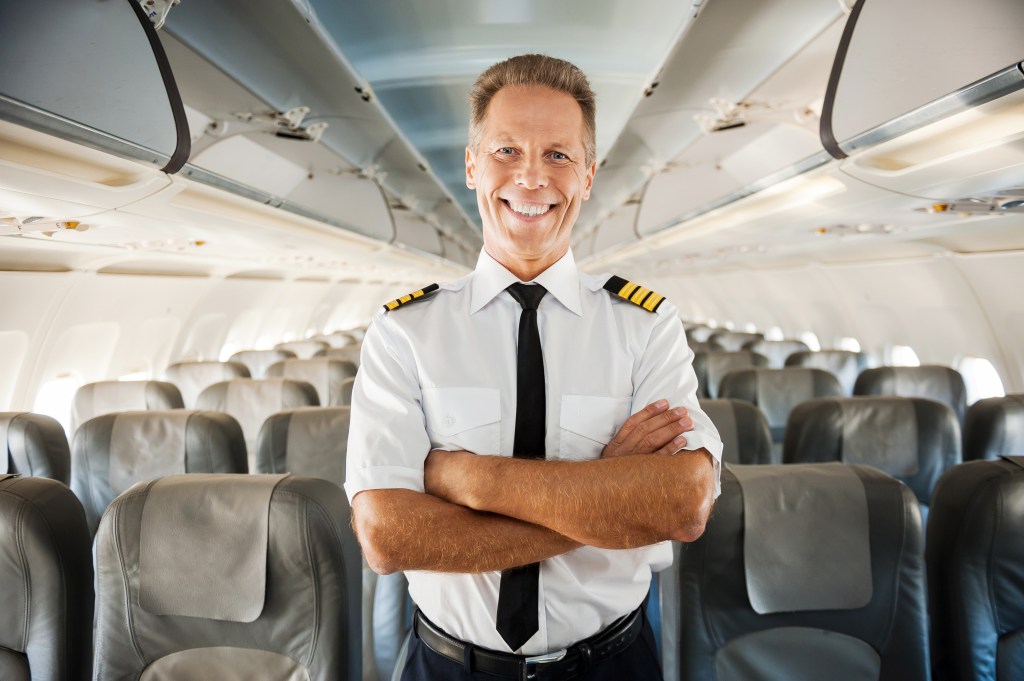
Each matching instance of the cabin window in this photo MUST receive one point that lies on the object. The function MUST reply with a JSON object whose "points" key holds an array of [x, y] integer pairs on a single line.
{"points": [[810, 339], [903, 356], [774, 334], [55, 398], [981, 378], [848, 343]]}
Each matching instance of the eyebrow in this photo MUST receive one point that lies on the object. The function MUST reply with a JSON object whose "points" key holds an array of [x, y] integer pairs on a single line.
{"points": [[505, 138]]}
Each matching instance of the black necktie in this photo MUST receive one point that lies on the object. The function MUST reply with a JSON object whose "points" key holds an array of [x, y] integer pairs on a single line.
{"points": [[516, 620]]}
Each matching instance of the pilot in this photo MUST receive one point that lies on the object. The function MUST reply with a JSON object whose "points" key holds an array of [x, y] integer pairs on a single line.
{"points": [[516, 442]]}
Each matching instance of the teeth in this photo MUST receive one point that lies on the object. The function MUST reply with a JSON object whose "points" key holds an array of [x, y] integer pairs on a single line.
{"points": [[528, 210]]}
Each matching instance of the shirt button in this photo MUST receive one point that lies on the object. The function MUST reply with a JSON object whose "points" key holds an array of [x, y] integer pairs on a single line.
{"points": [[449, 420]]}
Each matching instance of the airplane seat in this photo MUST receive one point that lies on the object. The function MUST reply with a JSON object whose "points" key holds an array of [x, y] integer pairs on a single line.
{"points": [[939, 383], [698, 333], [115, 451], [975, 581], [994, 427], [46, 582], [744, 430], [777, 352], [34, 445], [803, 573], [303, 349], [325, 374], [108, 397], [731, 341], [195, 376], [710, 367], [346, 391], [347, 353], [843, 364], [912, 439], [252, 401], [258, 360], [777, 391], [312, 441], [228, 577]]}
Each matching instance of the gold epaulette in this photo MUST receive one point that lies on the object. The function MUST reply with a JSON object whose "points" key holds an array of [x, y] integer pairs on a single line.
{"points": [[634, 293], [422, 294]]}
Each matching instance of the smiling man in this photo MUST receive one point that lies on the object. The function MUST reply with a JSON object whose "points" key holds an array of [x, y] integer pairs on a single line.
{"points": [[517, 436]]}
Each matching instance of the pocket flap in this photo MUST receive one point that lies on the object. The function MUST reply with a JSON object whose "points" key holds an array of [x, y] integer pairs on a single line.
{"points": [[453, 410], [593, 417]]}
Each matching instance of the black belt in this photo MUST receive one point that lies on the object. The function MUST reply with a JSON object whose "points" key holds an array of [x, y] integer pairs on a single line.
{"points": [[563, 664]]}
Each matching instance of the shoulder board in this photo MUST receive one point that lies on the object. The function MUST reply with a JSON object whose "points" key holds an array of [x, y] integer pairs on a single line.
{"points": [[422, 294], [634, 293]]}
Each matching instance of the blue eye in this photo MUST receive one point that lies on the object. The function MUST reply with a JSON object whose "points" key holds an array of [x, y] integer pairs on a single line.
{"points": [[506, 150]]}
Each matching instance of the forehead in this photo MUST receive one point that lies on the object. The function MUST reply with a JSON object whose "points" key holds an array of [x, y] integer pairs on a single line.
{"points": [[535, 113]]}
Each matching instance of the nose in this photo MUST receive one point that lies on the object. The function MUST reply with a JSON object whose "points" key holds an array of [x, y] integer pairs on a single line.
{"points": [[532, 173]]}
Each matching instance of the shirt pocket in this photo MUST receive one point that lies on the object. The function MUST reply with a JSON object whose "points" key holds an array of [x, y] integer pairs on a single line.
{"points": [[588, 422], [463, 418]]}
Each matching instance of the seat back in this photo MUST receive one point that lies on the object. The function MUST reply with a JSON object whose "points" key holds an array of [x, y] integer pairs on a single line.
{"points": [[257, 361], [731, 341], [938, 383], [108, 397], [34, 445], [228, 577], [803, 573], [115, 451], [326, 375], [304, 349], [45, 582], [778, 351], [912, 439], [194, 377], [975, 581], [994, 427], [711, 367], [698, 333], [252, 401], [746, 438], [348, 353], [843, 364]]}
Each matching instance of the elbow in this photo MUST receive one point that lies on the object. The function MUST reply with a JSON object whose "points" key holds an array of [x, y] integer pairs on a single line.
{"points": [[693, 517], [376, 542]]}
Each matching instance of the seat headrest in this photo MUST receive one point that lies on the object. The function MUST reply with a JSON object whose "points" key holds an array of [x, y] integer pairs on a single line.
{"points": [[35, 445], [325, 374], [107, 397], [192, 377], [938, 383], [310, 441], [258, 360], [713, 366], [746, 438], [843, 364], [203, 546], [145, 446], [793, 561], [732, 341], [776, 351], [777, 391], [303, 349], [994, 427]]}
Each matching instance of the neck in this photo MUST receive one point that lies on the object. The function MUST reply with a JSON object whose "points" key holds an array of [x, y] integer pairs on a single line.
{"points": [[525, 269]]}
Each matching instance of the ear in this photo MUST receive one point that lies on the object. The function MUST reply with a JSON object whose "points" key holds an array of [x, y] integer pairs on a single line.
{"points": [[589, 180], [470, 169]]}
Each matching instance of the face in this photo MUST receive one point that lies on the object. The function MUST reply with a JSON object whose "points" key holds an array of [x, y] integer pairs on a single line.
{"points": [[530, 176]]}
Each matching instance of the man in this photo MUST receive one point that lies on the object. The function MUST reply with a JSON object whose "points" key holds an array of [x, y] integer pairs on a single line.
{"points": [[536, 562]]}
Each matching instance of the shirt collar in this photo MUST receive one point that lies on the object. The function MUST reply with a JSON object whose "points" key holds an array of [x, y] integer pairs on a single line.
{"points": [[490, 278]]}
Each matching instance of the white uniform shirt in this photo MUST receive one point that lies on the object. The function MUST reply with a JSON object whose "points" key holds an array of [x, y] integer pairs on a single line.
{"points": [[441, 374]]}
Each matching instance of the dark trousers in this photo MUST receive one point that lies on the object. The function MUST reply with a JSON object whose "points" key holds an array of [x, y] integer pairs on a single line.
{"points": [[639, 662]]}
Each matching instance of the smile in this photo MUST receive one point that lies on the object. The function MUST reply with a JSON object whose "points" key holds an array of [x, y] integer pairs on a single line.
{"points": [[528, 210]]}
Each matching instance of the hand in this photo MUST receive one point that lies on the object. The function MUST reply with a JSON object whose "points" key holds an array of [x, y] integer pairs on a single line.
{"points": [[655, 429]]}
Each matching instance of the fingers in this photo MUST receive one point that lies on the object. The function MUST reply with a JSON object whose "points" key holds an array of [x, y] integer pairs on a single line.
{"points": [[642, 416], [652, 428]]}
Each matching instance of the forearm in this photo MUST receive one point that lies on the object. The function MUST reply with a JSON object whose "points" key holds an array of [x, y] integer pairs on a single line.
{"points": [[616, 503], [400, 529]]}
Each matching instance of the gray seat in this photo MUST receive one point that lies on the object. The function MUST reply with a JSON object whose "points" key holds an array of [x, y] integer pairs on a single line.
{"points": [[731, 341], [326, 375], [777, 391], [115, 451], [46, 582], [975, 581], [108, 397], [252, 401], [228, 577], [303, 349], [778, 351], [348, 353], [711, 367], [803, 573], [194, 377], [843, 364], [698, 333], [912, 439], [994, 427], [938, 383], [258, 360], [34, 445], [744, 430]]}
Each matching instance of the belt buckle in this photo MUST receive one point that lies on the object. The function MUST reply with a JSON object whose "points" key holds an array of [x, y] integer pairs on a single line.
{"points": [[538, 660]]}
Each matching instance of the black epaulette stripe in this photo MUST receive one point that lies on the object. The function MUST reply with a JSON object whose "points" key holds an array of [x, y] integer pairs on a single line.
{"points": [[411, 297], [634, 293]]}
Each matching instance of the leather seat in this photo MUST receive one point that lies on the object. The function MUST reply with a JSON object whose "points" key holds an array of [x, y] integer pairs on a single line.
{"points": [[843, 364], [803, 573], [731, 341], [938, 383], [228, 577], [325, 374], [347, 353], [778, 351], [711, 367], [303, 349], [194, 377], [108, 397], [46, 582], [115, 451], [34, 445], [975, 578], [912, 439], [257, 361], [994, 427], [744, 430]]}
